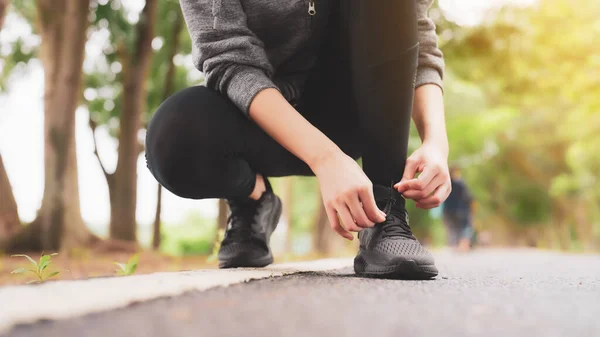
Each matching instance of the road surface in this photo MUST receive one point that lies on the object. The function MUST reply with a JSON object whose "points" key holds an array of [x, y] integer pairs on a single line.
{"points": [[487, 293]]}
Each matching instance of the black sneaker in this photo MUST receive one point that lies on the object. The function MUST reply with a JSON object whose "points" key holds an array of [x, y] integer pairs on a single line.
{"points": [[389, 249], [250, 225]]}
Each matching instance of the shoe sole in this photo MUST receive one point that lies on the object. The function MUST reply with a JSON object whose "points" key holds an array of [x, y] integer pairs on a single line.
{"points": [[244, 261], [369, 264]]}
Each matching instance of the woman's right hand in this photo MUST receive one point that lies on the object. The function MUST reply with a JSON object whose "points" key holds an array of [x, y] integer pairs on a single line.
{"points": [[347, 194]]}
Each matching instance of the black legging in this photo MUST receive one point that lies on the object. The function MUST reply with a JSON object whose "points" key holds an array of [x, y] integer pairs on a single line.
{"points": [[199, 145]]}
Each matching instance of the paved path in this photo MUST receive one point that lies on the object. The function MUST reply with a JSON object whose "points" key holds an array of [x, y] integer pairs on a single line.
{"points": [[488, 293]]}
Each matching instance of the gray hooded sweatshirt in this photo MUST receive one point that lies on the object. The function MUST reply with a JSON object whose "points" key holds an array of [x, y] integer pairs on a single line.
{"points": [[245, 46]]}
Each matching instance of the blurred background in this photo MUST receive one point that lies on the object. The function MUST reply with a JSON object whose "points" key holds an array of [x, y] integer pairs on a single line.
{"points": [[522, 91]]}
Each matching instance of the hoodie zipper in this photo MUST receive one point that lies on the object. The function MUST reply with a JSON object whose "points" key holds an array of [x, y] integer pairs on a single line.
{"points": [[312, 9]]}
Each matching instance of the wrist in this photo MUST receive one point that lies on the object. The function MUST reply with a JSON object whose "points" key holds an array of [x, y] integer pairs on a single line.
{"points": [[324, 154], [439, 143]]}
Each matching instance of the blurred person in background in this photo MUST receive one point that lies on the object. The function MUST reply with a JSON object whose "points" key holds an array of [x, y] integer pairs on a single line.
{"points": [[458, 212], [305, 87]]}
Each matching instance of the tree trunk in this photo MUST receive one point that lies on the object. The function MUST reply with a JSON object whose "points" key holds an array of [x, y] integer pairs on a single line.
{"points": [[9, 213], [123, 187], [3, 10], [156, 238], [221, 224], [168, 90], [562, 228], [63, 26], [583, 224], [222, 217], [322, 236], [76, 233], [288, 201]]}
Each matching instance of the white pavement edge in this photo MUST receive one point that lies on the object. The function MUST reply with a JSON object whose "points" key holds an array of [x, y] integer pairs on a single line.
{"points": [[66, 299]]}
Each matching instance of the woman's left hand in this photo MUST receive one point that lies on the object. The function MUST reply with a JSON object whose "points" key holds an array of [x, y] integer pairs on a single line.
{"points": [[432, 186]]}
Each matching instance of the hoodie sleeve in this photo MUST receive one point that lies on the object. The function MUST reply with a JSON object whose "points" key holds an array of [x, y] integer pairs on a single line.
{"points": [[431, 59], [229, 54]]}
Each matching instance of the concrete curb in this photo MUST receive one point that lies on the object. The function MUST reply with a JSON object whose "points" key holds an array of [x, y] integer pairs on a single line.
{"points": [[66, 299]]}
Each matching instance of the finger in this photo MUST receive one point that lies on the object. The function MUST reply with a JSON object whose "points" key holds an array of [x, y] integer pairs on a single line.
{"points": [[358, 213], [427, 191], [347, 220], [410, 169], [411, 184], [335, 224], [419, 183], [368, 203], [435, 199], [429, 173]]}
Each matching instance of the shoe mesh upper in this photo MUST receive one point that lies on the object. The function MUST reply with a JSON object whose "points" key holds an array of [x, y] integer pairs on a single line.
{"points": [[246, 232], [399, 247], [394, 237]]}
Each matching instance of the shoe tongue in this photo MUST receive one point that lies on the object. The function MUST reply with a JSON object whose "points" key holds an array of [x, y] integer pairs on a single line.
{"points": [[383, 195]]}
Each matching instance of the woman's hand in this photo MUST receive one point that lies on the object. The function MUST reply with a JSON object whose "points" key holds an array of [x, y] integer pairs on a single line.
{"points": [[432, 186], [347, 194]]}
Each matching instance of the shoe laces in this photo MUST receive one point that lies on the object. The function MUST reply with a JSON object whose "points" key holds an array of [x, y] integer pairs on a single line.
{"points": [[240, 221], [396, 220]]}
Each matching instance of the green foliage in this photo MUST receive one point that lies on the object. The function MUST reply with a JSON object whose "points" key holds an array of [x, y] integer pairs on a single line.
{"points": [[527, 146], [194, 236], [530, 204], [129, 268], [201, 246], [103, 92], [25, 8], [102, 89], [38, 268], [20, 52], [176, 44], [521, 92], [427, 228], [306, 199]]}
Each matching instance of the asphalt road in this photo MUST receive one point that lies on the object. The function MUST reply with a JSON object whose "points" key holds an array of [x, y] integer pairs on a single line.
{"points": [[492, 293]]}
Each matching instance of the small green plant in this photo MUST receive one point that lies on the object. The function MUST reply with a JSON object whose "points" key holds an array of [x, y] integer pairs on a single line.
{"points": [[126, 269], [38, 268]]}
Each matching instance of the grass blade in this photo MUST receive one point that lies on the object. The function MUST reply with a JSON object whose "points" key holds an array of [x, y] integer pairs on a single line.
{"points": [[26, 256], [53, 274], [131, 268], [121, 266], [43, 265], [19, 271]]}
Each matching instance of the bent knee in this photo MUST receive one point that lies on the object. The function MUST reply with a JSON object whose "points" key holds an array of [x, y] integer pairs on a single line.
{"points": [[191, 116], [183, 134]]}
